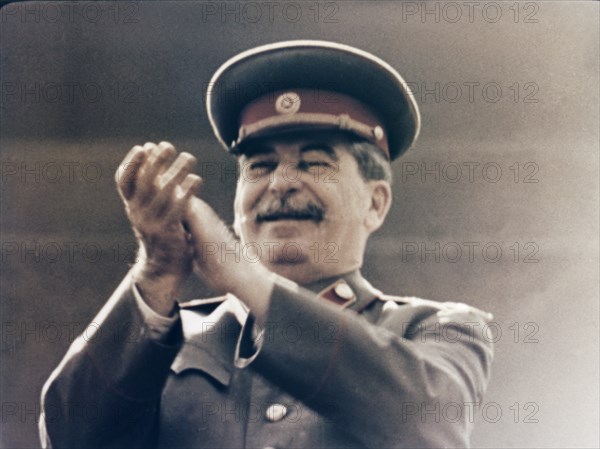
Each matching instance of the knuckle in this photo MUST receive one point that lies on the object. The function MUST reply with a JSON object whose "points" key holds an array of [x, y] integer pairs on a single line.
{"points": [[189, 158], [166, 145], [164, 154], [167, 187], [166, 182], [134, 153]]}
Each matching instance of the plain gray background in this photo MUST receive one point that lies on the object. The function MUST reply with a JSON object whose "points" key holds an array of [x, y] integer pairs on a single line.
{"points": [[83, 83]]}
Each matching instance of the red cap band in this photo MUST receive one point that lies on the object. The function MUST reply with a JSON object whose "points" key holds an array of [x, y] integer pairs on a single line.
{"points": [[322, 109]]}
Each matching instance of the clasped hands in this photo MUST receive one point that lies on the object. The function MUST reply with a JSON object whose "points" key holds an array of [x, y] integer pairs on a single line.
{"points": [[171, 224]]}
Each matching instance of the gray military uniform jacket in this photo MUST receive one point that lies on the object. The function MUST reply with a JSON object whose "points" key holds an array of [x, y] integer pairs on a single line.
{"points": [[347, 367]]}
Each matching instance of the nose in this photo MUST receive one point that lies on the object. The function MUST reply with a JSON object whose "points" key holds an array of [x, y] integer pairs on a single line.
{"points": [[286, 178]]}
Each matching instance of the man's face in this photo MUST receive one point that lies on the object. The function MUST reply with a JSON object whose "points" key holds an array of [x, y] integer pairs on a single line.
{"points": [[303, 205]]}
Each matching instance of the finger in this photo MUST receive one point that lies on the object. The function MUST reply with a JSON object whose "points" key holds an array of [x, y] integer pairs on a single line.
{"points": [[165, 155], [189, 187], [127, 173], [178, 170], [159, 158], [174, 176]]}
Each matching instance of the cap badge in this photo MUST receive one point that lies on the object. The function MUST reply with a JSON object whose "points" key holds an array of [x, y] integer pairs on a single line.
{"points": [[287, 103]]}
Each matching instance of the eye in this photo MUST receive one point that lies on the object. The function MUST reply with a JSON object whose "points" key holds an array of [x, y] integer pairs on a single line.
{"points": [[262, 166], [315, 164]]}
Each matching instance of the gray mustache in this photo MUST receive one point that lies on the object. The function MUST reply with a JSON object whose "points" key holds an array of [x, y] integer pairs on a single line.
{"points": [[289, 207]]}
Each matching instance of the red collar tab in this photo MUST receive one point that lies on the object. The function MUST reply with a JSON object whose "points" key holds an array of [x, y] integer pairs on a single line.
{"points": [[339, 293]]}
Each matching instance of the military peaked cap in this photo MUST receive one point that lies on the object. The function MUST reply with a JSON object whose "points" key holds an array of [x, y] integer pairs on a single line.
{"points": [[302, 84]]}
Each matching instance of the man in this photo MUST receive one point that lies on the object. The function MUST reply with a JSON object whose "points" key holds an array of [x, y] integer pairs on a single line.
{"points": [[300, 351]]}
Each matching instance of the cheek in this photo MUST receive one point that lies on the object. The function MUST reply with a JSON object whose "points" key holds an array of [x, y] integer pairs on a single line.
{"points": [[245, 195], [240, 209], [353, 198], [350, 192], [347, 210]]}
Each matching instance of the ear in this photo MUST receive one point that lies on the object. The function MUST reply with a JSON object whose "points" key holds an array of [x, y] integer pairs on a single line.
{"points": [[381, 201], [237, 229]]}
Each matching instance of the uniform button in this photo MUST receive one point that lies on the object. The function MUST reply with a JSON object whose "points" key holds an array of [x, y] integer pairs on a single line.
{"points": [[344, 291], [276, 412]]}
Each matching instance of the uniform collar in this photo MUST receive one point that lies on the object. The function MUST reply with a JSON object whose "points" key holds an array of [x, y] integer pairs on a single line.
{"points": [[349, 290]]}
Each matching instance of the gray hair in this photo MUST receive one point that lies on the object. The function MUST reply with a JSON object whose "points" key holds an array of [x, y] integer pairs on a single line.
{"points": [[372, 162]]}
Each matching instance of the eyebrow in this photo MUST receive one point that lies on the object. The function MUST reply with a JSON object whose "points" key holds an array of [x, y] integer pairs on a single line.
{"points": [[321, 147], [267, 149]]}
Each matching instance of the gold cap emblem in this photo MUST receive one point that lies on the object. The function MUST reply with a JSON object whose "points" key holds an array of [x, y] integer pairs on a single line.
{"points": [[287, 103]]}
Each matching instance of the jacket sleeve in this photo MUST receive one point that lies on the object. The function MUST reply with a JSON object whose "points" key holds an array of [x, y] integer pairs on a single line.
{"points": [[105, 392], [411, 378]]}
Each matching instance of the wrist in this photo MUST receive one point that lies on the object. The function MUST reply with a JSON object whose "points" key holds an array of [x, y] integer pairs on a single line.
{"points": [[254, 284], [157, 287]]}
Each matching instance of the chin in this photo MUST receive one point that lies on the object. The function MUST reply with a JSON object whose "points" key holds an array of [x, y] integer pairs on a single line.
{"points": [[287, 254]]}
